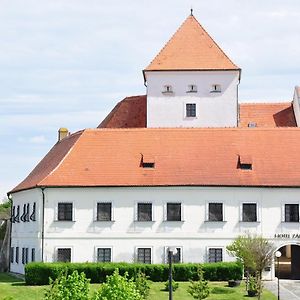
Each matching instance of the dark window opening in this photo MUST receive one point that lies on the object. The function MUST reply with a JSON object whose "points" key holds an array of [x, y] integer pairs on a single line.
{"points": [[192, 88], [215, 212], [26, 217], [244, 162], [144, 255], [64, 254], [144, 212], [249, 212], [173, 211], [148, 164], [215, 255], [17, 217], [190, 110], [24, 214], [103, 255], [11, 254], [65, 212], [103, 211], [12, 218], [291, 213], [17, 255], [33, 254], [33, 214]]}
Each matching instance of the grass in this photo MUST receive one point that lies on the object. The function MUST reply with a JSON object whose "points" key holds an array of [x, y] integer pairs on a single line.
{"points": [[17, 290]]}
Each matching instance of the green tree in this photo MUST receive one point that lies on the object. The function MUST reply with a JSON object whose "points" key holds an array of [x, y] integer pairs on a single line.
{"points": [[199, 289], [142, 285], [118, 287]]}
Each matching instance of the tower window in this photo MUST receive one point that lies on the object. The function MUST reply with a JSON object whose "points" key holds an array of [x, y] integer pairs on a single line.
{"points": [[192, 88], [215, 88], [167, 89], [190, 110]]}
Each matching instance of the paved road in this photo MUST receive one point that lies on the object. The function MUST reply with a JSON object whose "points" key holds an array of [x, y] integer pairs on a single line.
{"points": [[289, 289]]}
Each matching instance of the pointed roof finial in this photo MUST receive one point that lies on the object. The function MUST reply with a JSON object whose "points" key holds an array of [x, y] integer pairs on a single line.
{"points": [[191, 11]]}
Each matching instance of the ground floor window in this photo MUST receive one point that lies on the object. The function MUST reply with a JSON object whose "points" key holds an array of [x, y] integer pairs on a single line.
{"points": [[215, 255], [104, 255], [17, 255], [64, 254], [144, 255], [12, 254], [33, 254]]}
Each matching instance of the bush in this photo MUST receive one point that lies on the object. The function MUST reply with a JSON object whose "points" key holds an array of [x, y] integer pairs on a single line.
{"points": [[199, 289], [39, 273], [71, 287], [175, 285], [118, 287], [142, 285]]}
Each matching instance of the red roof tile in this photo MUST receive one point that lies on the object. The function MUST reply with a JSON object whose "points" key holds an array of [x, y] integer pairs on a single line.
{"points": [[267, 115], [191, 48], [193, 157]]}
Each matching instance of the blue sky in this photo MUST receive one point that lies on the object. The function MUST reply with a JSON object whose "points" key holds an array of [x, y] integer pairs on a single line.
{"points": [[66, 63]]}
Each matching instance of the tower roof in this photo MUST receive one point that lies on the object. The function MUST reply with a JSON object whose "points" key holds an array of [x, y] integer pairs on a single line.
{"points": [[191, 48]]}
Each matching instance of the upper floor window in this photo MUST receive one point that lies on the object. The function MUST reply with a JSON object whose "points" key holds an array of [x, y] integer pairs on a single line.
{"points": [[215, 255], [17, 216], [33, 214], [64, 254], [104, 255], [215, 88], [144, 255], [291, 212], [249, 212], [65, 211], [192, 88], [167, 89], [104, 211], [215, 212], [173, 211], [144, 212], [12, 217], [190, 110]]}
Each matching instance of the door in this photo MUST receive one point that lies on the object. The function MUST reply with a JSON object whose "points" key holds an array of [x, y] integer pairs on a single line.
{"points": [[295, 268]]}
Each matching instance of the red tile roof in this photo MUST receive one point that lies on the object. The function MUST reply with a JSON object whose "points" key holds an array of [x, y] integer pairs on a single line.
{"points": [[128, 113], [267, 115], [193, 157], [191, 48]]}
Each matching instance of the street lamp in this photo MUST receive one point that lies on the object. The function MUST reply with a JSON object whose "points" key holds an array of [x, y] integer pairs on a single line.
{"points": [[171, 251], [278, 254]]}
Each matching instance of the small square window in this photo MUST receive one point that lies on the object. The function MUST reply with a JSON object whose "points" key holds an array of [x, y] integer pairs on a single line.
{"points": [[65, 212], [104, 255], [215, 212], [215, 255], [291, 213], [173, 211], [191, 110], [144, 212], [249, 212], [64, 254], [192, 88], [144, 255], [216, 88], [167, 89], [104, 211]]}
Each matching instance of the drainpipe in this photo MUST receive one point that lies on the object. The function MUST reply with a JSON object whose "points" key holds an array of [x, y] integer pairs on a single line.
{"points": [[43, 221], [10, 233]]}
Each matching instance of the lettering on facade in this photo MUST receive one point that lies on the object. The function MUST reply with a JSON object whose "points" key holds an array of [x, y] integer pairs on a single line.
{"points": [[287, 236]]}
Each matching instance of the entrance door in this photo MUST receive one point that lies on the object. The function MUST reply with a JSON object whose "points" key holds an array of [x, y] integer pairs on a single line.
{"points": [[295, 268]]}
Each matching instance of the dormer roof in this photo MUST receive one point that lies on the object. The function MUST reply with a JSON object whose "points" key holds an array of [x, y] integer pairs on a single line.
{"points": [[191, 48]]}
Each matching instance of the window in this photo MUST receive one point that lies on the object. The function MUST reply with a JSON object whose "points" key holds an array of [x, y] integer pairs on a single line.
{"points": [[291, 213], [144, 255], [104, 255], [244, 162], [11, 254], [190, 110], [26, 255], [33, 254], [192, 88], [215, 212], [17, 255], [65, 212], [26, 217], [216, 88], [33, 214], [24, 213], [215, 255], [12, 217], [173, 211], [176, 258], [17, 217], [144, 212], [103, 211], [249, 212], [148, 165], [64, 254], [167, 89], [23, 256]]}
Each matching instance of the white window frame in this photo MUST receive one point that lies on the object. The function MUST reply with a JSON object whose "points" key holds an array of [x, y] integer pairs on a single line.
{"points": [[207, 210], [166, 250], [95, 210], [142, 247], [101, 247], [215, 247], [166, 210], [61, 247], [258, 212], [56, 211], [136, 211], [283, 211]]}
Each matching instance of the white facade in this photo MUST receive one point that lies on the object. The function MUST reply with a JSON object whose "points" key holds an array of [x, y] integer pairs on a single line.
{"points": [[215, 96], [194, 234]]}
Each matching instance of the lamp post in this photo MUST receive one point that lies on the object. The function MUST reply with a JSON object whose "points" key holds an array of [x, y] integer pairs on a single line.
{"points": [[171, 251], [278, 254]]}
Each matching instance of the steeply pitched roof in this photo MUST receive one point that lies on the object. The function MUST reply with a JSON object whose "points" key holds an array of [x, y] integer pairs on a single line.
{"points": [[193, 157], [267, 114], [191, 48]]}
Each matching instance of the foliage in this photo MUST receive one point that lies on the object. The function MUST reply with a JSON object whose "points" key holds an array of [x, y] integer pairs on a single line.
{"points": [[199, 289], [39, 273], [252, 283], [118, 287], [142, 285], [5, 206], [71, 287], [175, 285]]}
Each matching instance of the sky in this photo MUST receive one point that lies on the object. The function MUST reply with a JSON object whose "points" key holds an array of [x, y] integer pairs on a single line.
{"points": [[66, 63]]}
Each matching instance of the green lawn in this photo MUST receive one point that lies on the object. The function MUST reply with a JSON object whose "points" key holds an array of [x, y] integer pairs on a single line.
{"points": [[15, 288]]}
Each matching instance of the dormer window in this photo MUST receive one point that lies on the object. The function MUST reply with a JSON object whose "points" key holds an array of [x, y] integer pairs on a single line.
{"points": [[215, 88], [192, 88], [245, 162], [147, 162], [167, 89]]}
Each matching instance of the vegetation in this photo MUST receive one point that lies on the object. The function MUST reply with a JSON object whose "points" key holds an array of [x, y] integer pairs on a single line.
{"points": [[256, 253], [175, 285], [39, 273], [5, 206], [199, 289], [142, 285]]}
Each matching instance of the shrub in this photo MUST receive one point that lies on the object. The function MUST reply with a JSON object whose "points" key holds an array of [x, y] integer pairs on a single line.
{"points": [[175, 285], [118, 287], [71, 287], [199, 289], [142, 285]]}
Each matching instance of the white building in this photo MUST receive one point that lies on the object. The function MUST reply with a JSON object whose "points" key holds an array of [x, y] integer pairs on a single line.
{"points": [[145, 180]]}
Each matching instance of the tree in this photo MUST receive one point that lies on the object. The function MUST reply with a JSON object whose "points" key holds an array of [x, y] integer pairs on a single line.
{"points": [[199, 289], [255, 252]]}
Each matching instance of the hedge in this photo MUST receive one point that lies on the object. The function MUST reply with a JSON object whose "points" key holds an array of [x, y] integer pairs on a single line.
{"points": [[39, 273]]}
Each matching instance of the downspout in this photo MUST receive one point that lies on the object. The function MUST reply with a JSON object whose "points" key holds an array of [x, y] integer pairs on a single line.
{"points": [[10, 224], [43, 221]]}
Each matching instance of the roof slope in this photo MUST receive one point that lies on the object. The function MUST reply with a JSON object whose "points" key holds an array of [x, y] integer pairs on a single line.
{"points": [[128, 113], [191, 48], [267, 114], [201, 157]]}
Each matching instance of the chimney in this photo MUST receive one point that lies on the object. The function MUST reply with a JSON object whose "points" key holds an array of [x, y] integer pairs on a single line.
{"points": [[62, 133]]}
